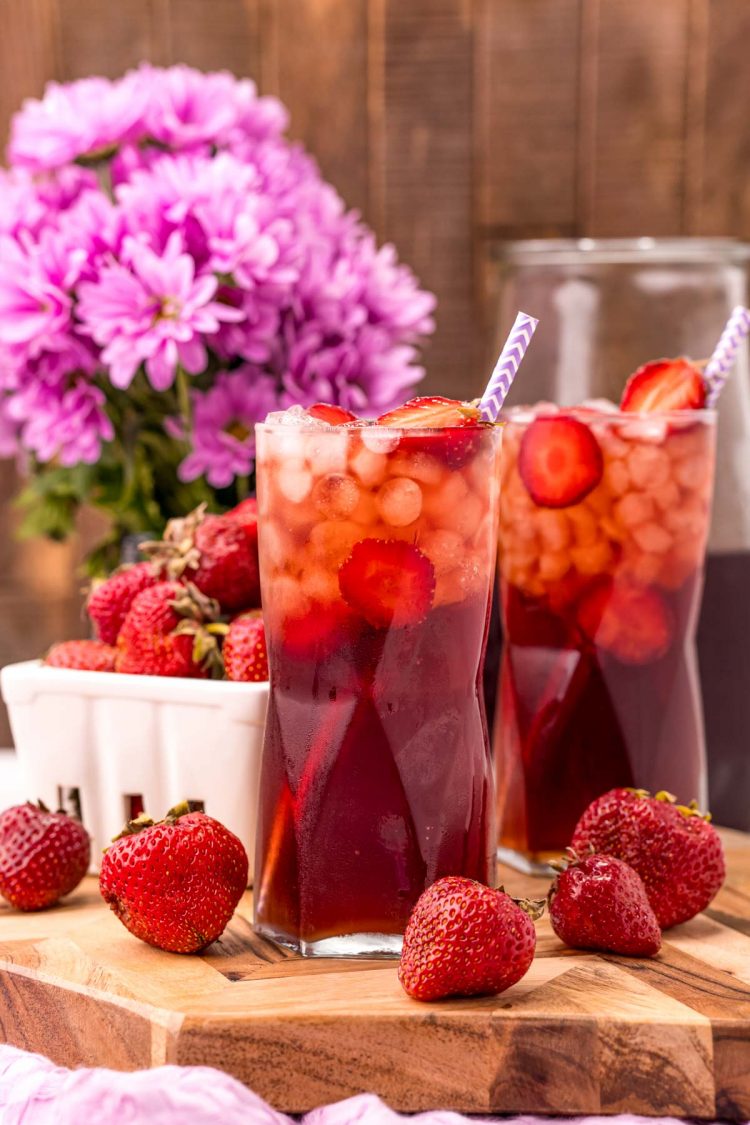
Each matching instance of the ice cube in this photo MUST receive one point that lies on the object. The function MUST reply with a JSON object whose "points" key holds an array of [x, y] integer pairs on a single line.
{"points": [[399, 501], [652, 538], [692, 472], [276, 545], [653, 430], [294, 481], [649, 466], [593, 559], [553, 565], [379, 439], [294, 416], [462, 516], [370, 467], [634, 509], [554, 529], [332, 541], [417, 465], [328, 453], [287, 599], [336, 496], [444, 549], [320, 584]]}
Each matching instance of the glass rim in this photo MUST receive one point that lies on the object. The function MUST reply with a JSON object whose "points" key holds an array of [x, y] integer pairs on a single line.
{"points": [[401, 431], [579, 250], [688, 417]]}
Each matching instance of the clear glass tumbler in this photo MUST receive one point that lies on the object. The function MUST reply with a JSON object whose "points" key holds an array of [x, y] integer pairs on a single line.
{"points": [[606, 307], [599, 599], [377, 551]]}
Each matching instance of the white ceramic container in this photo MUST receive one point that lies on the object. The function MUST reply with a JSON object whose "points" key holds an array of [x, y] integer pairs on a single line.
{"points": [[108, 741]]}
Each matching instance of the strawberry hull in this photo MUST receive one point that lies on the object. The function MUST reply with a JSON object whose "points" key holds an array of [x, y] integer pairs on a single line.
{"points": [[377, 775], [598, 684]]}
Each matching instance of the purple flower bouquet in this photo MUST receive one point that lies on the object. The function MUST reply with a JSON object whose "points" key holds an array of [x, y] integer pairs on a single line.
{"points": [[171, 269]]}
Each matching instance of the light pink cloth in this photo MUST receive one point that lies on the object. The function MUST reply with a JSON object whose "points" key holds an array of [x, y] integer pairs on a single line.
{"points": [[33, 1091]]}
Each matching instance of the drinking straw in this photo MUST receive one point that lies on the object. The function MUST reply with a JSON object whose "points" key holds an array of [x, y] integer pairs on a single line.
{"points": [[721, 362], [507, 364]]}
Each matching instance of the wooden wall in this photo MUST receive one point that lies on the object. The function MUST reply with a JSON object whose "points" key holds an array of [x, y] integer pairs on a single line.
{"points": [[450, 124]]}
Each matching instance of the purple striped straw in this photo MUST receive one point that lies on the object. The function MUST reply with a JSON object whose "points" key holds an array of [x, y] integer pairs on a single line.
{"points": [[507, 365], [721, 362]]}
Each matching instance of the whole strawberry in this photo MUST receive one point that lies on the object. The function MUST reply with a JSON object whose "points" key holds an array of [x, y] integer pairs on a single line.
{"points": [[245, 655], [246, 515], [674, 849], [215, 555], [110, 600], [43, 855], [166, 632], [599, 902], [464, 939], [175, 884], [90, 656]]}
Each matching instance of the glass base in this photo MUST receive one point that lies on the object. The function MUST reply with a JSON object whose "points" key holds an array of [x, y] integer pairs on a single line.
{"points": [[527, 864], [341, 945]]}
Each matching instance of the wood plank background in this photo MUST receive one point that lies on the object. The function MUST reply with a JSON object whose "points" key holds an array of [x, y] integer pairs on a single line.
{"points": [[449, 124]]}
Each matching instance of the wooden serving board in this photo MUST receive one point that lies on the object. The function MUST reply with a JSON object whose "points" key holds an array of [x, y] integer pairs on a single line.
{"points": [[582, 1033]]}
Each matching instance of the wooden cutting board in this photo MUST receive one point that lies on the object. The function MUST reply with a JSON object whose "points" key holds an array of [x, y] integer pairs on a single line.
{"points": [[580, 1034]]}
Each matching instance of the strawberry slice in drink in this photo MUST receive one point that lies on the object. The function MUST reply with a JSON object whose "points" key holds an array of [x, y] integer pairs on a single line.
{"points": [[664, 385], [388, 582], [459, 423], [633, 623], [333, 415], [560, 461]]}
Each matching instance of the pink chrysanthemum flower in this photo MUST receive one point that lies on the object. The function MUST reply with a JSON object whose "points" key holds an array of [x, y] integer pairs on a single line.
{"points": [[64, 422], [152, 309], [223, 437], [199, 240], [81, 119]]}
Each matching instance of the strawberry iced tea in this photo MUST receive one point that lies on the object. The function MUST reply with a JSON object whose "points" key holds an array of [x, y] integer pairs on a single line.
{"points": [[603, 526], [377, 551]]}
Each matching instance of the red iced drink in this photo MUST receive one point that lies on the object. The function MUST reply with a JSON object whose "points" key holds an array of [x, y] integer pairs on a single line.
{"points": [[604, 519], [377, 548]]}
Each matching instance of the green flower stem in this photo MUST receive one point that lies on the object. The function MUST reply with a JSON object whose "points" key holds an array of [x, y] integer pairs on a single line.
{"points": [[183, 398]]}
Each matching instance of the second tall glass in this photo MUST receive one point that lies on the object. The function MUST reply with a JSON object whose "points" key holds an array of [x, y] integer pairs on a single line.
{"points": [[377, 551], [599, 684]]}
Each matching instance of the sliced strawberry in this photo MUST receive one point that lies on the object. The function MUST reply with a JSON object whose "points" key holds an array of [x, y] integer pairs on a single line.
{"points": [[631, 622], [388, 581], [333, 415], [664, 384], [319, 633], [459, 423], [559, 461]]}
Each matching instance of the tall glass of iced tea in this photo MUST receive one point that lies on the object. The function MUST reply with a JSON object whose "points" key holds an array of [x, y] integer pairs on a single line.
{"points": [[377, 548], [603, 528]]}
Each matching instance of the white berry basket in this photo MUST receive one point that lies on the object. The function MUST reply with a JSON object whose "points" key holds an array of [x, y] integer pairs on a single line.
{"points": [[105, 744]]}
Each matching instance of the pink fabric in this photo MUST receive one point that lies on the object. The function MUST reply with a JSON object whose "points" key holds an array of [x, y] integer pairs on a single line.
{"points": [[33, 1091]]}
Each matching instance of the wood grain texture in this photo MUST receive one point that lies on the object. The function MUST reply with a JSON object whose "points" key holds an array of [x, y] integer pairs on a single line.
{"points": [[315, 60], [421, 93], [633, 117], [526, 103], [97, 38], [28, 54], [723, 159], [221, 35], [581, 1033]]}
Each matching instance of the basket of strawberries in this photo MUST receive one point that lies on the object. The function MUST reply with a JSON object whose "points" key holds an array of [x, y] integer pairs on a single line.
{"points": [[168, 699]]}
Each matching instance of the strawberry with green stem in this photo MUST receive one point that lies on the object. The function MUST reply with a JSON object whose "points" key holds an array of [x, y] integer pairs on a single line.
{"points": [[674, 848], [176, 883], [170, 630], [466, 939]]}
